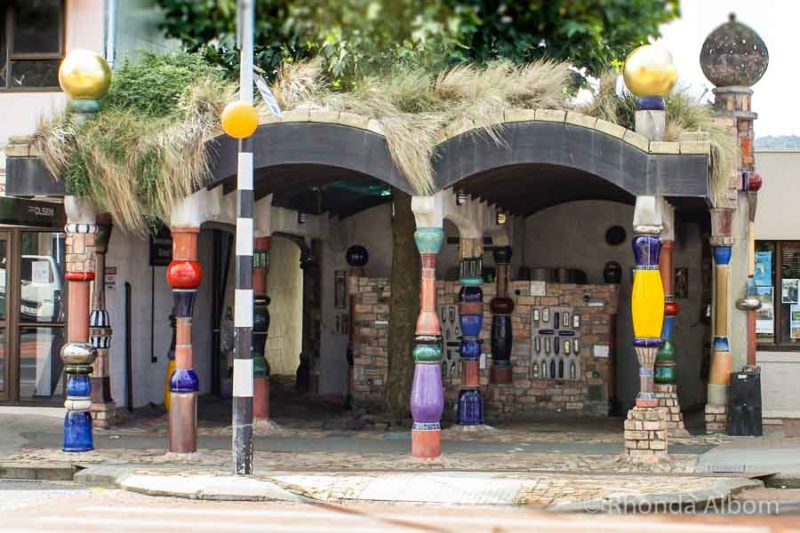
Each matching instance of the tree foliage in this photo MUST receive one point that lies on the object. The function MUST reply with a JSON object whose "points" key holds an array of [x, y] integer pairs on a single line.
{"points": [[359, 37]]}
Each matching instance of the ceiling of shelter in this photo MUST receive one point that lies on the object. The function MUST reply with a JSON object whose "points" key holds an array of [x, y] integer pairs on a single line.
{"points": [[316, 189], [527, 189]]}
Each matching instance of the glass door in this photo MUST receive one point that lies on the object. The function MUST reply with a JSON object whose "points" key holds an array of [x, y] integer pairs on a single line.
{"points": [[40, 316], [5, 377]]}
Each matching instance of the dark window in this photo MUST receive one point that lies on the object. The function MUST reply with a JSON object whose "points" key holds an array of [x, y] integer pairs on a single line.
{"points": [[777, 280], [31, 43]]}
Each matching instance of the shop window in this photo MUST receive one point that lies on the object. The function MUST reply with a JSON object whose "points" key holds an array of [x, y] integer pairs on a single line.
{"points": [[31, 43], [777, 280]]}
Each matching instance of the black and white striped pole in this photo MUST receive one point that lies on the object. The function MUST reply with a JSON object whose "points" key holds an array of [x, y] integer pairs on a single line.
{"points": [[240, 120]]}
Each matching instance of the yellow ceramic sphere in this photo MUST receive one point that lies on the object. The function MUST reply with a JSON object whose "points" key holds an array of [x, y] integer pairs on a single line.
{"points": [[239, 119], [84, 75], [650, 71]]}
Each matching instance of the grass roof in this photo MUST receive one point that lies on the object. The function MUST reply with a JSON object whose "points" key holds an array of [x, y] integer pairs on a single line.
{"points": [[145, 149]]}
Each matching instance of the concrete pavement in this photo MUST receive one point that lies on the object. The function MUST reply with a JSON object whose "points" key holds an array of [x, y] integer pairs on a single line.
{"points": [[544, 468]]}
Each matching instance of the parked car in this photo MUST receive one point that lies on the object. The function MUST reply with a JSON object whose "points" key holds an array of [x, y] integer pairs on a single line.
{"points": [[42, 291]]}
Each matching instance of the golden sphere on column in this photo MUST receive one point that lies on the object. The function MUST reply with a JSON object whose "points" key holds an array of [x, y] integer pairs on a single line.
{"points": [[650, 71], [84, 75], [239, 119]]}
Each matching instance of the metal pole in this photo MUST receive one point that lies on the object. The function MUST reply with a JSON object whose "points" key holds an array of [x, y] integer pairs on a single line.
{"points": [[243, 314]]}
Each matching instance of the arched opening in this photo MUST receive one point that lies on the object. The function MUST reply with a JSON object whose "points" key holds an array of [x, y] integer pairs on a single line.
{"points": [[558, 218]]}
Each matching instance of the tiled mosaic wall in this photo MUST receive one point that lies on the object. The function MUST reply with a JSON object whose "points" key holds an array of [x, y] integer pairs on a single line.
{"points": [[596, 305]]}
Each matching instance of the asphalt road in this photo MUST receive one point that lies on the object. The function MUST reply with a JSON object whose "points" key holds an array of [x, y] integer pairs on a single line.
{"points": [[50, 506]]}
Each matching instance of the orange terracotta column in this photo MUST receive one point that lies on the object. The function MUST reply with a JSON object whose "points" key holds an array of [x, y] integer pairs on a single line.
{"points": [[184, 275]]}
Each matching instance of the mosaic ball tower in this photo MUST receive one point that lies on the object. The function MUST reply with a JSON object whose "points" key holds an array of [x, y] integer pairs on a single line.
{"points": [[85, 78], [734, 58], [649, 74], [427, 394], [502, 306], [470, 311]]}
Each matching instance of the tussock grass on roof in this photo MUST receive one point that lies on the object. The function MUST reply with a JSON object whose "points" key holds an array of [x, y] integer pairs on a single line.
{"points": [[145, 149]]}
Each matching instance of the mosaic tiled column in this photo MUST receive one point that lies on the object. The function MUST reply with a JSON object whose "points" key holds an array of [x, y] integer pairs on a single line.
{"points": [[646, 425], [260, 328], [502, 307], [665, 371], [100, 333], [427, 393], [470, 309], [721, 357], [78, 354], [647, 309], [184, 275]]}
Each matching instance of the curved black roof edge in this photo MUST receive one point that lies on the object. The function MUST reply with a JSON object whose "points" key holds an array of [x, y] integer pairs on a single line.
{"points": [[366, 153], [571, 146]]}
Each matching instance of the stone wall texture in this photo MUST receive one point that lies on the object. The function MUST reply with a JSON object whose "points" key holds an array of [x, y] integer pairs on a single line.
{"points": [[596, 305]]}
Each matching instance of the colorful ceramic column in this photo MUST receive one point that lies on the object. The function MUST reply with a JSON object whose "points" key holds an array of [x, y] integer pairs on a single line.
{"points": [[502, 306], [357, 258], [78, 354], [647, 306], [184, 275], [427, 394], [100, 332], [85, 78], [721, 358], [260, 328], [665, 369], [470, 309]]}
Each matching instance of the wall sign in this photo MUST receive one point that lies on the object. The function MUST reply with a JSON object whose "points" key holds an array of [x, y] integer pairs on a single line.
{"points": [[161, 248]]}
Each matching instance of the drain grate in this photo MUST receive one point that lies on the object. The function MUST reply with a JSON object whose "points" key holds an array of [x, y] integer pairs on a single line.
{"points": [[728, 469]]}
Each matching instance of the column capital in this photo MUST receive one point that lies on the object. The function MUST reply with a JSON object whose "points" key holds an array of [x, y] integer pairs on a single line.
{"points": [[722, 222], [428, 211], [647, 215], [716, 241], [79, 210]]}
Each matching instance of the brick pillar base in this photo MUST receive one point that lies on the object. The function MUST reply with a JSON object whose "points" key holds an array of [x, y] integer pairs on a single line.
{"points": [[716, 418], [104, 415], [667, 396], [646, 434]]}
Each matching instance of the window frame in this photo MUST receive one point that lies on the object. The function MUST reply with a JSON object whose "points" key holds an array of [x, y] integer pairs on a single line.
{"points": [[778, 345], [8, 40]]}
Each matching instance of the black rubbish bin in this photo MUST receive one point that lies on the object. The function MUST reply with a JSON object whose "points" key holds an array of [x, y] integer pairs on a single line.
{"points": [[744, 406]]}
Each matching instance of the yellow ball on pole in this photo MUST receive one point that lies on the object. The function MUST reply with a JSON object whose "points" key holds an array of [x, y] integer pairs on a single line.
{"points": [[239, 119], [84, 75], [650, 71]]}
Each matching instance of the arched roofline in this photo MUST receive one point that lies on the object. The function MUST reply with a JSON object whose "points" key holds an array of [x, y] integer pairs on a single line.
{"points": [[352, 142]]}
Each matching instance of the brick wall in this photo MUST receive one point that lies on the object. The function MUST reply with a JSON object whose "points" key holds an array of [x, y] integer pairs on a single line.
{"points": [[587, 394]]}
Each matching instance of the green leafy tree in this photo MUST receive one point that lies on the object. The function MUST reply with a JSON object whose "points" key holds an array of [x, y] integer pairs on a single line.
{"points": [[356, 38]]}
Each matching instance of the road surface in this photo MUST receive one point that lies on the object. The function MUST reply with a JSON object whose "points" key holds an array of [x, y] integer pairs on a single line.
{"points": [[27, 506]]}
